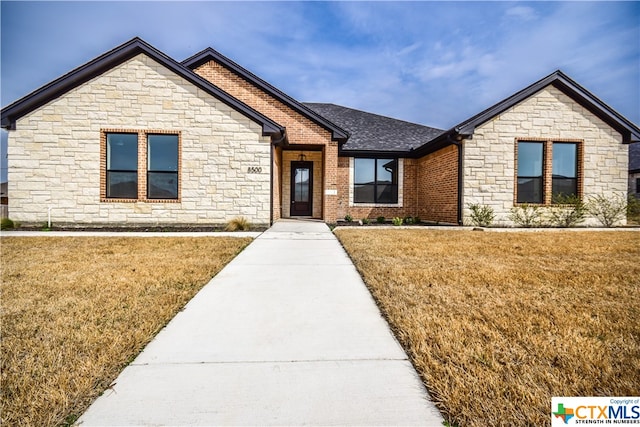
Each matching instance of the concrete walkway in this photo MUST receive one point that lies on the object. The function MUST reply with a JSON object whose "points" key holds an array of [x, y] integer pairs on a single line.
{"points": [[285, 334]]}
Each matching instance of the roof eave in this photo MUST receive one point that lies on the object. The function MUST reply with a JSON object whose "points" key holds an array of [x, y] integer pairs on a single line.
{"points": [[113, 58], [209, 54], [627, 129]]}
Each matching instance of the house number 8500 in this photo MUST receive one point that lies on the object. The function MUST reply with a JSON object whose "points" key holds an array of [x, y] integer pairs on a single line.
{"points": [[254, 169]]}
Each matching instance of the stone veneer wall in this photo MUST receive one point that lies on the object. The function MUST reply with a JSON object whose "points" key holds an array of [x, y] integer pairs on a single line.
{"points": [[437, 186], [489, 157], [300, 130], [54, 154], [311, 156]]}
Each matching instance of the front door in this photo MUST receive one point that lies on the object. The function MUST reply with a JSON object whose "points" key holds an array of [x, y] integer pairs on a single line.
{"points": [[301, 188]]}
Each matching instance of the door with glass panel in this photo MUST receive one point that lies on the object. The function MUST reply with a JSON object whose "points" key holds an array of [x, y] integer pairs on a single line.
{"points": [[301, 188]]}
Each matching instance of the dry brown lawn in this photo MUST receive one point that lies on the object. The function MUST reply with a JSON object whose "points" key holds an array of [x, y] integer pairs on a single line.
{"points": [[498, 323], [75, 311]]}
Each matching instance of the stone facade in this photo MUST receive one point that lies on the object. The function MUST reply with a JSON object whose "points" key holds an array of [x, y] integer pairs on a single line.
{"points": [[300, 131], [550, 115], [55, 153]]}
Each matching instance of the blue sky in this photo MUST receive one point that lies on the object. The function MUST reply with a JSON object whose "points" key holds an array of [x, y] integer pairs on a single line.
{"points": [[435, 63]]}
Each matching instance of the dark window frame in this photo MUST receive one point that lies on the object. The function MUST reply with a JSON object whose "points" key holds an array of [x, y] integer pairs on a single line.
{"points": [[151, 172], [142, 166], [548, 195], [375, 184], [109, 171]]}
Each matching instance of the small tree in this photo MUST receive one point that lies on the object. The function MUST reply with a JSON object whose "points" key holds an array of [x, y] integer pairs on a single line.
{"points": [[570, 212], [481, 215], [607, 210], [526, 215]]}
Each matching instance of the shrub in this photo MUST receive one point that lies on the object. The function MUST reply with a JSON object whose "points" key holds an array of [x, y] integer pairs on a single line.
{"points": [[408, 220], [380, 220], [6, 223], [348, 218], [633, 208], [526, 215], [481, 215], [569, 213], [608, 210], [238, 223], [366, 221], [397, 221], [417, 220]]}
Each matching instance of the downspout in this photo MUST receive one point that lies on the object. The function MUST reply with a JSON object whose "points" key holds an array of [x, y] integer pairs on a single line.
{"points": [[458, 145]]}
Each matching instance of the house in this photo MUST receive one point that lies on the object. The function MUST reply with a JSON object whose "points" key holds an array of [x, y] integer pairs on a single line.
{"points": [[634, 170], [135, 137]]}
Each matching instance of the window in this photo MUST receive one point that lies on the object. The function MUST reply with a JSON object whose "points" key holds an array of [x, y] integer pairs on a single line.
{"points": [[122, 165], [565, 169], [162, 167], [546, 170], [375, 181], [128, 156], [638, 186], [530, 158]]}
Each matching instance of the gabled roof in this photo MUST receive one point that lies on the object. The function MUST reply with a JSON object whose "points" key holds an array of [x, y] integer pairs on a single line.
{"points": [[375, 134], [629, 131], [209, 54], [116, 57]]}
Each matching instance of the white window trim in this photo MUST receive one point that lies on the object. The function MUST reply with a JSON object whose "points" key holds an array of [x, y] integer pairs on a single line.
{"points": [[376, 205]]}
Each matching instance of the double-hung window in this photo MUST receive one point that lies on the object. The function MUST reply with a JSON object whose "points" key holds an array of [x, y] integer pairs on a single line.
{"points": [[162, 166], [375, 181], [122, 165], [530, 170], [547, 170], [132, 156]]}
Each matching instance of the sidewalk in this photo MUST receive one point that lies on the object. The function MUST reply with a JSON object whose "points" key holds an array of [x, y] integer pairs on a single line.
{"points": [[285, 334]]}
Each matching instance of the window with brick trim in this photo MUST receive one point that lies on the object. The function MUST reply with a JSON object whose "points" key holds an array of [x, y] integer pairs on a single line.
{"points": [[546, 170], [162, 166], [122, 165], [375, 181], [140, 166]]}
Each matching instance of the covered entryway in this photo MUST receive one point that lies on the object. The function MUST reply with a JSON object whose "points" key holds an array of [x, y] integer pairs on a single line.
{"points": [[301, 189], [302, 183]]}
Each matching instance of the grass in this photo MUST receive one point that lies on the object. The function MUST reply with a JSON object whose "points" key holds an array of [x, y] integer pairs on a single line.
{"points": [[76, 311], [498, 323]]}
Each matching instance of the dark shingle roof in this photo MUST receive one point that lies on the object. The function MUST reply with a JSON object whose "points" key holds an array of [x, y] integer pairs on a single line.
{"points": [[374, 133]]}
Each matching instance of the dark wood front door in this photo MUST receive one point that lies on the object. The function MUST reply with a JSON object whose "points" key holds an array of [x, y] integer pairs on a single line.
{"points": [[301, 188]]}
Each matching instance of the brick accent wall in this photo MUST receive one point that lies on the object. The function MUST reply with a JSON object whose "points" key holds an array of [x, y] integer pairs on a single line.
{"points": [[300, 131], [406, 193], [550, 115], [437, 186], [289, 156], [55, 153]]}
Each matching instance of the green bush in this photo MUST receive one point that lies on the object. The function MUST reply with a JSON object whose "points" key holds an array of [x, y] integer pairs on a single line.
{"points": [[6, 224], [366, 221], [526, 215], [380, 220], [397, 221], [481, 215], [348, 218], [417, 220], [408, 220], [569, 212], [608, 210]]}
